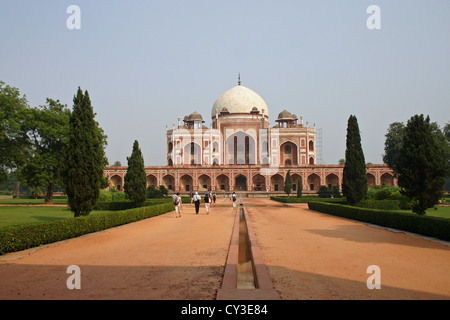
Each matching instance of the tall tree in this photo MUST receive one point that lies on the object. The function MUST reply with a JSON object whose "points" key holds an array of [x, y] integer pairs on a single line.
{"points": [[14, 119], [135, 182], [299, 187], [422, 164], [85, 157], [288, 183], [48, 133], [354, 181], [446, 131], [393, 144]]}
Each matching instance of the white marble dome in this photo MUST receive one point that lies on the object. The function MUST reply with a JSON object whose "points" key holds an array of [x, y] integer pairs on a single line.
{"points": [[240, 99]]}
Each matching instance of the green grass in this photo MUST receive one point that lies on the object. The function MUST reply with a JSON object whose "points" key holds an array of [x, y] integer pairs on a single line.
{"points": [[33, 214], [30, 201], [440, 212]]}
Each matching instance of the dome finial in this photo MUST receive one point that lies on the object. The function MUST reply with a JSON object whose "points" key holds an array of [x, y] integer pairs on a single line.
{"points": [[239, 79]]}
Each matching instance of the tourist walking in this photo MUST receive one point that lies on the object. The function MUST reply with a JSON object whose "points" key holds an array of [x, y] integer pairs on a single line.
{"points": [[196, 199], [233, 198], [214, 197], [207, 202], [177, 203]]}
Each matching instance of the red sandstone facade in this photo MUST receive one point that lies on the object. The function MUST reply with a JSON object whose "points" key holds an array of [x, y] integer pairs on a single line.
{"points": [[251, 179], [240, 152]]}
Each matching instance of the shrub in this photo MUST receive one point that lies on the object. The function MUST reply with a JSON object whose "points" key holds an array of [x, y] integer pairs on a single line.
{"points": [[118, 195], [389, 193], [380, 204], [105, 195], [425, 225], [152, 192], [21, 237], [324, 192], [336, 193]]}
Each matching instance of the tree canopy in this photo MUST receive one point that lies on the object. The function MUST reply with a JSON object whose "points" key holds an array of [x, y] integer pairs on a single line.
{"points": [[422, 163], [393, 144], [48, 132], [14, 120]]}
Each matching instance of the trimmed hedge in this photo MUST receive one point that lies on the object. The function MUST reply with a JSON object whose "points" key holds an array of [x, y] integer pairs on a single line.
{"points": [[425, 225], [305, 199], [380, 204], [21, 237], [125, 205], [42, 197]]}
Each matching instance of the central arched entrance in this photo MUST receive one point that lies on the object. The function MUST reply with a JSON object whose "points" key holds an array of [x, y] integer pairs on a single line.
{"points": [[240, 149], [241, 183], [192, 154]]}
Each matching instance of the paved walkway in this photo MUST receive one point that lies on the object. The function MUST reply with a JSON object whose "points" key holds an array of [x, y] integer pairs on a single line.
{"points": [[308, 255], [316, 256], [159, 258]]}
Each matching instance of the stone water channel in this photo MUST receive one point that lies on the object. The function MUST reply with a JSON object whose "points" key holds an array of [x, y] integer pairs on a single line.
{"points": [[246, 276]]}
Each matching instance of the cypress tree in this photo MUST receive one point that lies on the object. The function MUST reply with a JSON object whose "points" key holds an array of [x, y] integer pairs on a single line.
{"points": [[85, 157], [135, 182], [288, 183], [354, 182], [422, 164], [299, 187]]}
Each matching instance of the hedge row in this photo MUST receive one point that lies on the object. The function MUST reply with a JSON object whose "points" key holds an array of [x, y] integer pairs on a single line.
{"points": [[425, 225], [41, 197], [21, 237], [305, 199], [125, 205], [380, 204]]}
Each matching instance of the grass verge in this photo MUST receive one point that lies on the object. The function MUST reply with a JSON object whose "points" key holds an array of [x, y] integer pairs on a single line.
{"points": [[24, 236]]}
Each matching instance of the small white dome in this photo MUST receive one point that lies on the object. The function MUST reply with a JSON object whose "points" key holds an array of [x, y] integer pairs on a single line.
{"points": [[240, 100]]}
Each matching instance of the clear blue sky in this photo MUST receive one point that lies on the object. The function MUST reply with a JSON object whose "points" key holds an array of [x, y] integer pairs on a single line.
{"points": [[146, 63]]}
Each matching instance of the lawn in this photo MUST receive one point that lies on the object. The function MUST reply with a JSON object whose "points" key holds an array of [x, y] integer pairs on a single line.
{"points": [[441, 212], [30, 201], [29, 211], [34, 214]]}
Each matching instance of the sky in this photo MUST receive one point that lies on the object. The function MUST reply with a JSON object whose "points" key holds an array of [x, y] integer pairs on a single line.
{"points": [[146, 63]]}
